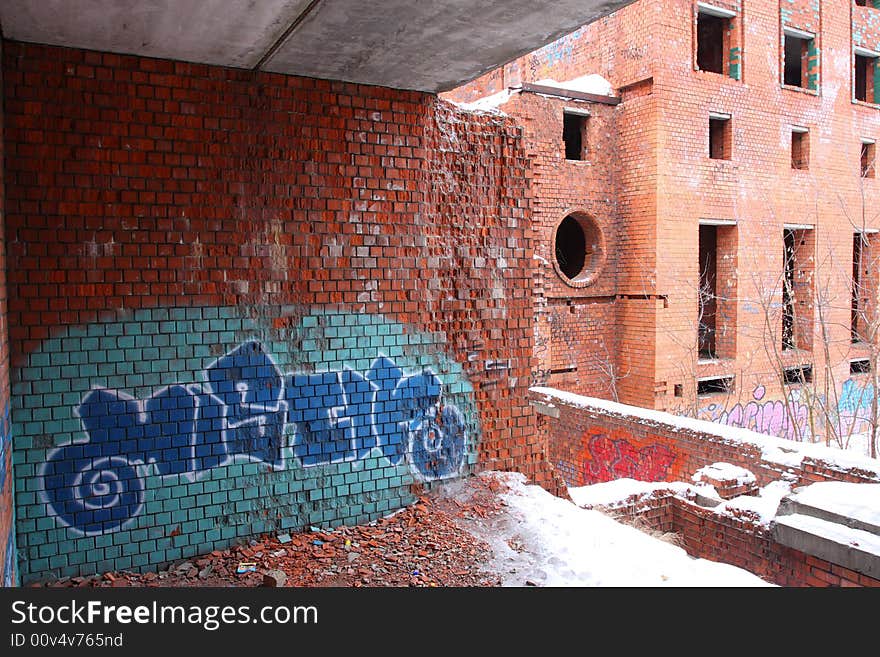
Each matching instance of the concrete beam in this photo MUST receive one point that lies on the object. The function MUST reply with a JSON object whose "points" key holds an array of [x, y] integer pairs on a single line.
{"points": [[425, 46]]}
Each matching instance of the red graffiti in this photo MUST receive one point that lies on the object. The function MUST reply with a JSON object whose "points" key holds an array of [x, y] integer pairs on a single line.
{"points": [[606, 459]]}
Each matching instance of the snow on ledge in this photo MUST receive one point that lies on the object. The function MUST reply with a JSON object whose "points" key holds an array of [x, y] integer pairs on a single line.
{"points": [[858, 501], [586, 84], [490, 104], [776, 450]]}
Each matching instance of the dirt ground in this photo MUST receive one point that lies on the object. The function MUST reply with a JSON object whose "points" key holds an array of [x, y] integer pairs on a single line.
{"points": [[424, 544]]}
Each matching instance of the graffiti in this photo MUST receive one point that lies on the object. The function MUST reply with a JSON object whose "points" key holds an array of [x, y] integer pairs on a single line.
{"points": [[607, 459], [246, 407], [855, 400], [854, 408], [543, 61], [764, 416]]}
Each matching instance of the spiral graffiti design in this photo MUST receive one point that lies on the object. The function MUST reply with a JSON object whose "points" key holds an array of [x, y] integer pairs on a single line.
{"points": [[437, 443], [93, 495]]}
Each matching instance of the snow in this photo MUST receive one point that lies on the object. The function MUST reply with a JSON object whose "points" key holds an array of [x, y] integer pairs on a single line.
{"points": [[761, 508], [544, 540], [725, 472], [848, 537], [614, 492], [489, 104], [586, 84], [857, 501]]}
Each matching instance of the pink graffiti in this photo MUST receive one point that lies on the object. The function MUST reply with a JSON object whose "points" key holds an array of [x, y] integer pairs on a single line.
{"points": [[768, 417], [606, 460]]}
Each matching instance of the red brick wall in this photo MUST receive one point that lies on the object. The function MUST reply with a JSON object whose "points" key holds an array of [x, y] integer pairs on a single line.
{"points": [[578, 317], [7, 530], [666, 183], [160, 213]]}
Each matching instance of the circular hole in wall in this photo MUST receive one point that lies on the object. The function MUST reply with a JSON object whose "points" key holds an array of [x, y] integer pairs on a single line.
{"points": [[579, 249]]}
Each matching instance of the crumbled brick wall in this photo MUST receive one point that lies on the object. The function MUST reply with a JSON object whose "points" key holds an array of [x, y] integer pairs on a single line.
{"points": [[738, 541], [8, 571], [243, 303], [592, 445]]}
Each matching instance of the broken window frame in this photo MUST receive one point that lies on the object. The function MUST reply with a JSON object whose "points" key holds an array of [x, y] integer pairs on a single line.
{"points": [[716, 385]]}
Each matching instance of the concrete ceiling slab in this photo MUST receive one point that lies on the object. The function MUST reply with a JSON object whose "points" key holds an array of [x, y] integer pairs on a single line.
{"points": [[425, 45], [208, 31]]}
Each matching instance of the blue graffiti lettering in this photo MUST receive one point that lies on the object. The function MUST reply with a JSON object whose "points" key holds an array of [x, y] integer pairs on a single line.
{"points": [[246, 408]]}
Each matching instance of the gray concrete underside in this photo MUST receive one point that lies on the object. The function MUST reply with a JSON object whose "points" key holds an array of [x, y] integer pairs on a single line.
{"points": [[425, 45]]}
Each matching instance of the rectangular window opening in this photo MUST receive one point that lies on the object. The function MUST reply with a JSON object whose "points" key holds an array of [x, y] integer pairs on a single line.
{"points": [[574, 132], [857, 289], [864, 78], [867, 157], [860, 366], [800, 149], [797, 375], [798, 58], [788, 290], [711, 31], [708, 301], [715, 385], [719, 138], [797, 287], [678, 390]]}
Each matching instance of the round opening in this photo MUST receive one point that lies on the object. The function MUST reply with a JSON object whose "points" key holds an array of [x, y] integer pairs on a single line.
{"points": [[579, 250]]}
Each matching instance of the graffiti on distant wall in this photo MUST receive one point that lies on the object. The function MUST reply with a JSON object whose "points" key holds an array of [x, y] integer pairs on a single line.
{"points": [[855, 407], [247, 407], [543, 61], [606, 458], [767, 416]]}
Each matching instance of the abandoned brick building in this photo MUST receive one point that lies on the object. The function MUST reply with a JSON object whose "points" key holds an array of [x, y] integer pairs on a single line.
{"points": [[252, 284], [706, 230]]}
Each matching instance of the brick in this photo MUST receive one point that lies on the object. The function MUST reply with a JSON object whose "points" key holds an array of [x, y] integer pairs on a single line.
{"points": [[165, 231]]}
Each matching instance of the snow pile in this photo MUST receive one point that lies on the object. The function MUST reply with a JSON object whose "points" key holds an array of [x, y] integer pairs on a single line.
{"points": [[726, 472], [611, 493], [547, 541], [586, 84]]}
